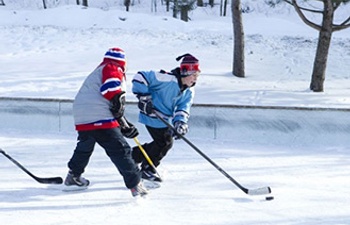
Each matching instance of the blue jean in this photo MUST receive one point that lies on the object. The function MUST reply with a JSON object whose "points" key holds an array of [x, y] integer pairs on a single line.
{"points": [[115, 146]]}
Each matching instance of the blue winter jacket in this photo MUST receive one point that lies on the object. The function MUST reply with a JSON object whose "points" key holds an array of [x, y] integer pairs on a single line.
{"points": [[167, 97]]}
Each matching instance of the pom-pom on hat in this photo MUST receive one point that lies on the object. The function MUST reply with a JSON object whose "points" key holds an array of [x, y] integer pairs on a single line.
{"points": [[189, 64], [116, 54]]}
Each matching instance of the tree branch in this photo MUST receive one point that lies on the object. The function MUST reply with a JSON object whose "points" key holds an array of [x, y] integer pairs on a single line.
{"points": [[302, 8], [343, 25], [346, 21], [340, 27], [303, 17]]}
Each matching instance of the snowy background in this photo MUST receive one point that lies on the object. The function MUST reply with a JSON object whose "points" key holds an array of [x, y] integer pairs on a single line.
{"points": [[48, 53]]}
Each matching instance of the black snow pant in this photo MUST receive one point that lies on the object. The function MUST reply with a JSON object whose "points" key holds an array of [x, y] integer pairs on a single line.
{"points": [[157, 149], [115, 146]]}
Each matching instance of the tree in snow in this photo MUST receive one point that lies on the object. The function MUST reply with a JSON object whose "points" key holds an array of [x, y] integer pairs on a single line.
{"points": [[325, 8], [238, 43]]}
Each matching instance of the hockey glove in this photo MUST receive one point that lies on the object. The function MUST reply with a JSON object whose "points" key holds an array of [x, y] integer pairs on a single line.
{"points": [[145, 104], [181, 128], [128, 129], [117, 106]]}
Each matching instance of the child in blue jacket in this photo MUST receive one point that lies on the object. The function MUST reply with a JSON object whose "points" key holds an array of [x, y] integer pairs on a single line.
{"points": [[171, 95]]}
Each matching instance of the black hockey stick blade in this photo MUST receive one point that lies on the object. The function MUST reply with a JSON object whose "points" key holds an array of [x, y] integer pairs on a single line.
{"points": [[42, 180], [257, 191]]}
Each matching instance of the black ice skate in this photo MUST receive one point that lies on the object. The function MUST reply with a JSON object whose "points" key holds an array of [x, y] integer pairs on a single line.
{"points": [[149, 174]]}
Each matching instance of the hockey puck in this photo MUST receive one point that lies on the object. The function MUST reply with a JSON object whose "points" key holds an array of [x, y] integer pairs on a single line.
{"points": [[269, 198]]}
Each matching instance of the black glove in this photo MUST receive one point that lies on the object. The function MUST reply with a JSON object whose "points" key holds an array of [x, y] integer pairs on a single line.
{"points": [[118, 105], [145, 104], [181, 128], [128, 129]]}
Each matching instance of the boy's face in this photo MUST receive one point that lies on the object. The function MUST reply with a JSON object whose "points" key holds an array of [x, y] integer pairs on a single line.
{"points": [[190, 80]]}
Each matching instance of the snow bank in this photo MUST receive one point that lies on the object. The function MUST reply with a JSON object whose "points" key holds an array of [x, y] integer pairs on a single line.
{"points": [[242, 124]]}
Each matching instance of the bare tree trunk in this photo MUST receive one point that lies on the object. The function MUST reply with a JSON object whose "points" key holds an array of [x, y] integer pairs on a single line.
{"points": [[225, 7], [238, 33], [200, 3], [324, 41], [167, 3], [127, 4], [175, 9], [78, 2], [44, 4], [85, 3], [2, 2], [221, 6], [184, 13], [211, 3]]}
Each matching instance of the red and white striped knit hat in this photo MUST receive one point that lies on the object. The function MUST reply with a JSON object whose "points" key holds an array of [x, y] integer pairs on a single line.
{"points": [[116, 54]]}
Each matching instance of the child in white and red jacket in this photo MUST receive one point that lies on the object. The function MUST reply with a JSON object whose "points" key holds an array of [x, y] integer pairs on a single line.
{"points": [[98, 111]]}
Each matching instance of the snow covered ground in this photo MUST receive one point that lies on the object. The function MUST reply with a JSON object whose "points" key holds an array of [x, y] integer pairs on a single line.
{"points": [[310, 186], [48, 53]]}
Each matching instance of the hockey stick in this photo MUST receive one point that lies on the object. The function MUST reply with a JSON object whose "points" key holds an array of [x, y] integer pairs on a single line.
{"points": [[123, 120], [49, 180], [257, 191], [146, 156]]}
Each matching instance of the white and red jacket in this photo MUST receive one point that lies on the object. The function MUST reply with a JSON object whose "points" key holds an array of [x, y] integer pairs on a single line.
{"points": [[91, 104]]}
